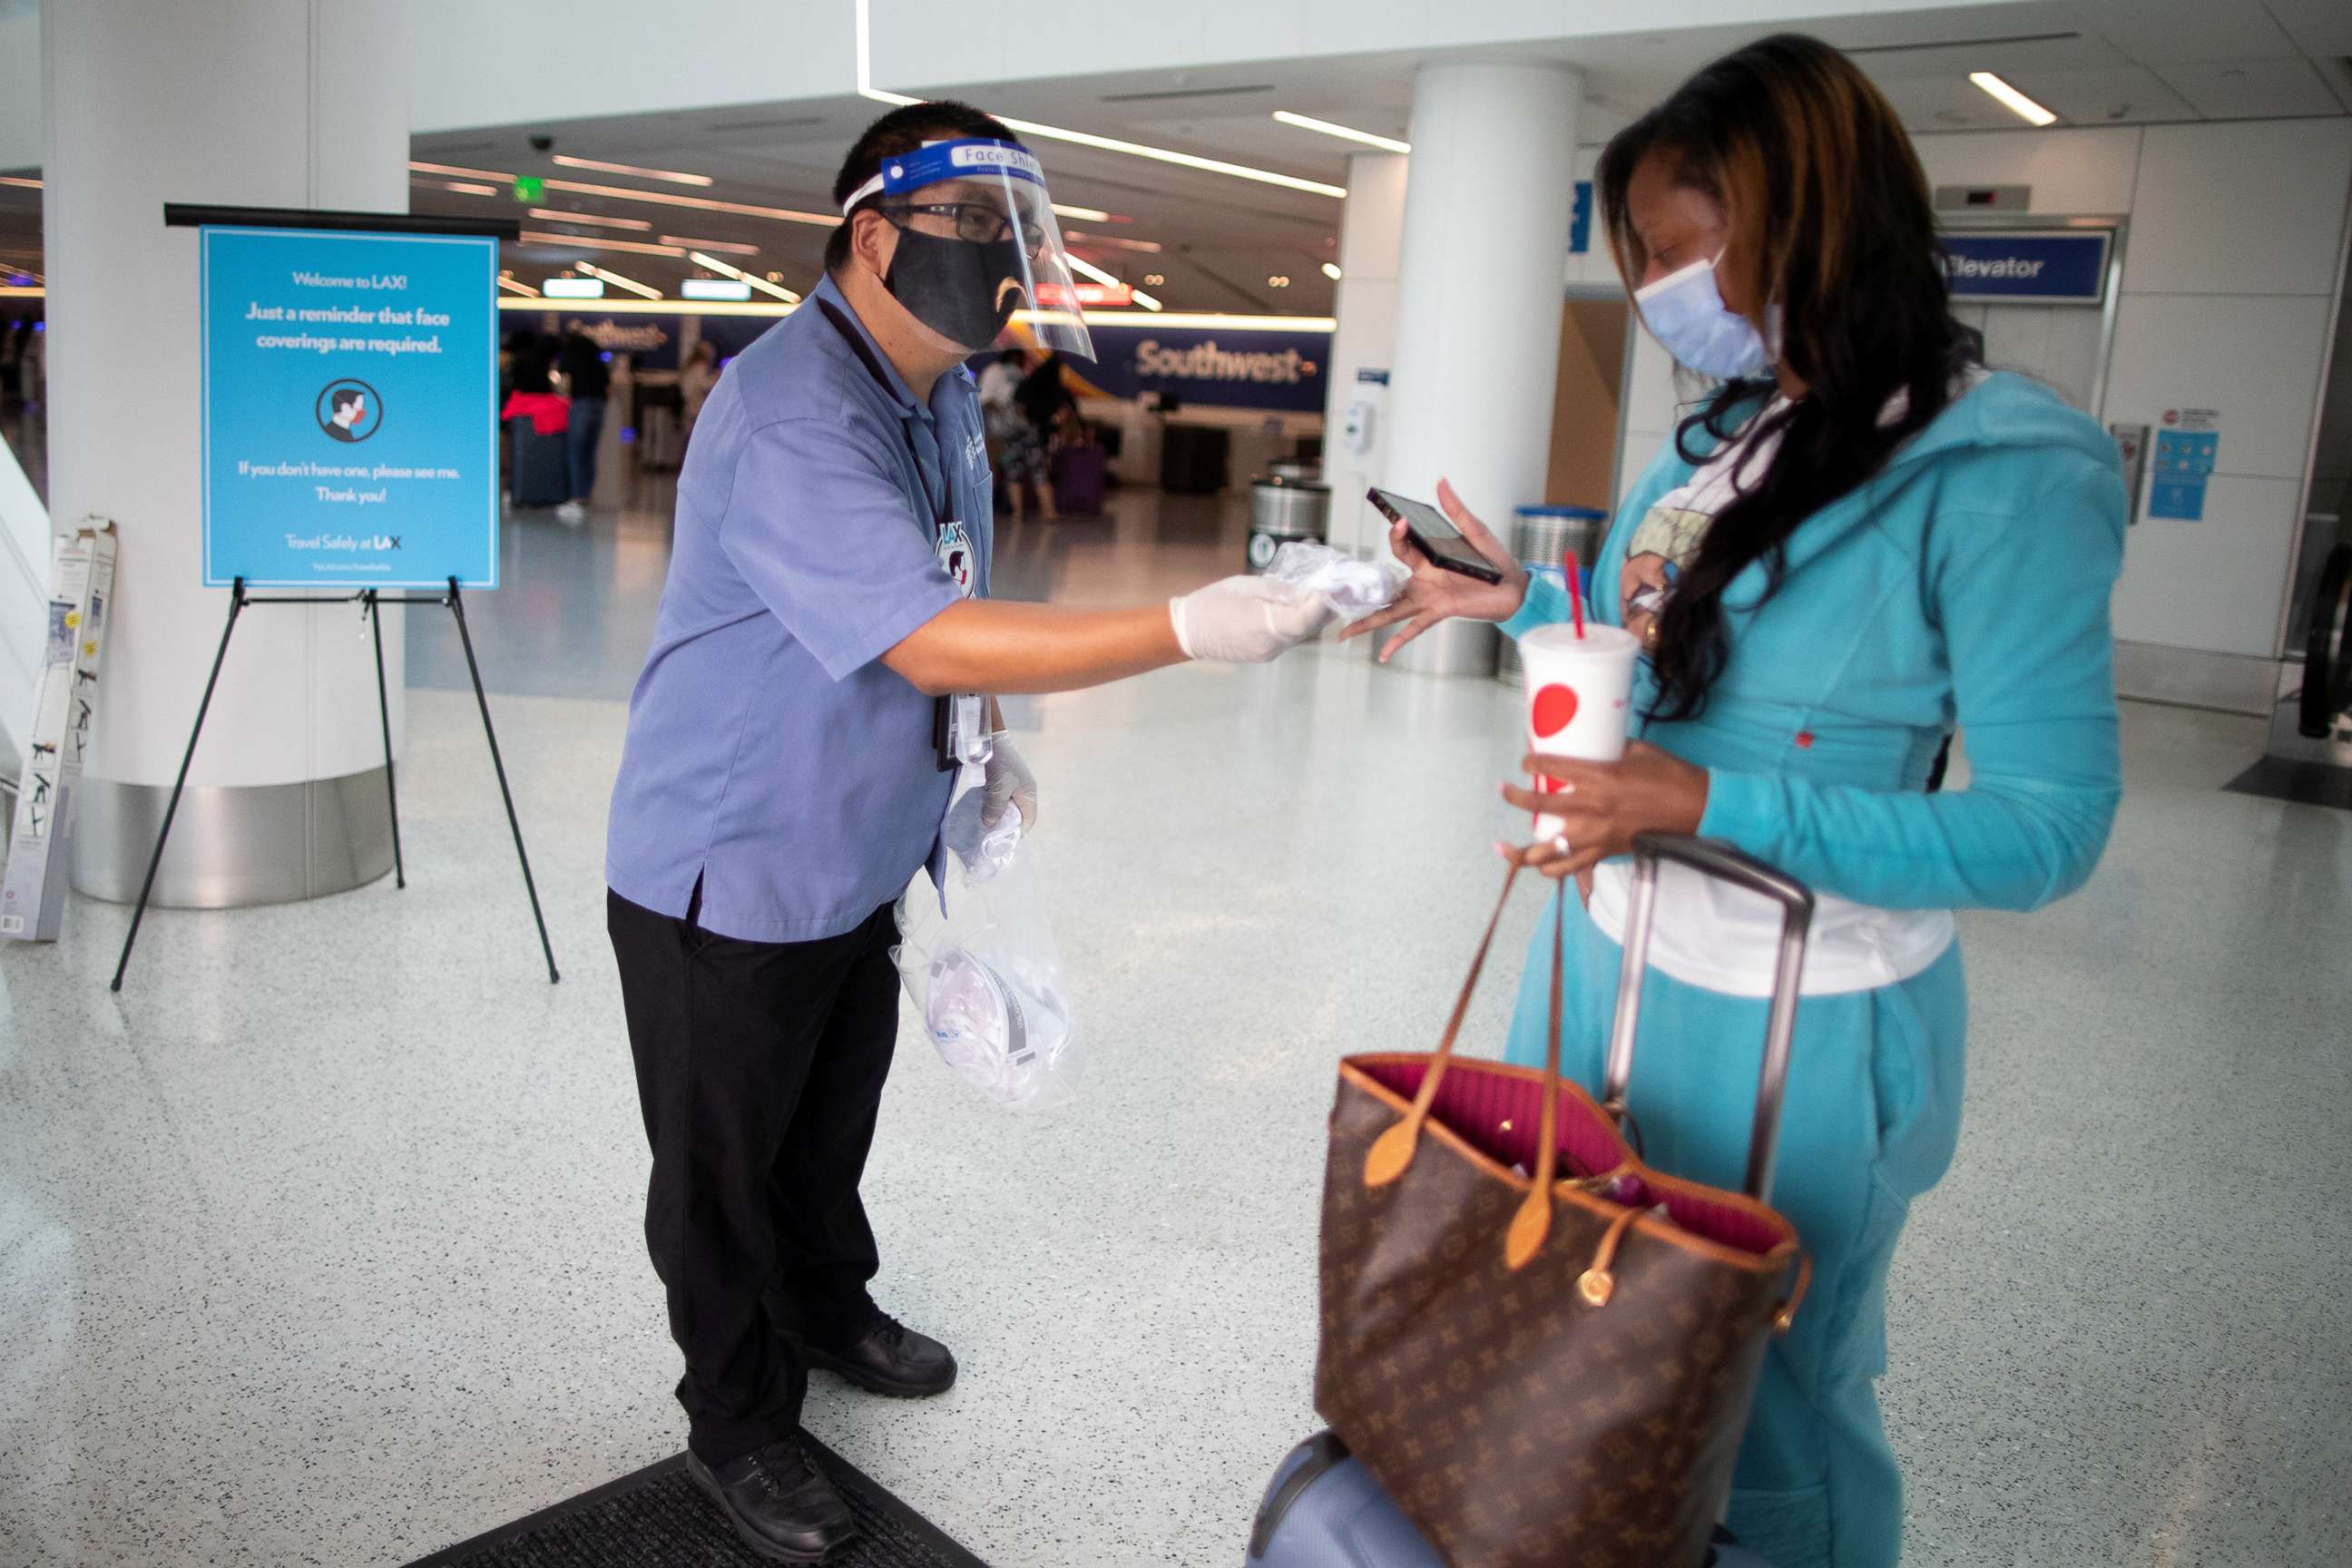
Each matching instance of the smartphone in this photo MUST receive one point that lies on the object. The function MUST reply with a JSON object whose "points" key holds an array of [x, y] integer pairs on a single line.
{"points": [[1435, 537]]}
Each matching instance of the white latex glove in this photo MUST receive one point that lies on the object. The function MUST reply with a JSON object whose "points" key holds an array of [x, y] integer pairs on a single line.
{"points": [[1247, 620], [1010, 784]]}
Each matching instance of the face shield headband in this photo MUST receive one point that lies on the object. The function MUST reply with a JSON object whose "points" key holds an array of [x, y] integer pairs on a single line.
{"points": [[977, 241]]}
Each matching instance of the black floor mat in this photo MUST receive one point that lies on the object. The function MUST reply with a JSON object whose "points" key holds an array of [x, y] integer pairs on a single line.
{"points": [[659, 1518], [2306, 784]]}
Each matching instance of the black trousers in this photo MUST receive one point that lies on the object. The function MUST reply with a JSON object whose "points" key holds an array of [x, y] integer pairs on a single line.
{"points": [[760, 1071]]}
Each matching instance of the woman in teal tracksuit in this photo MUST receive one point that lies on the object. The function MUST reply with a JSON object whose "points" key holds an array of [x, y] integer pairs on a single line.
{"points": [[1859, 544]]}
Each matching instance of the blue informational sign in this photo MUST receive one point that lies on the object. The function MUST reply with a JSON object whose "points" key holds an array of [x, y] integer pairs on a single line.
{"points": [[2183, 462], [2047, 267], [349, 408], [1224, 369], [1580, 222]]}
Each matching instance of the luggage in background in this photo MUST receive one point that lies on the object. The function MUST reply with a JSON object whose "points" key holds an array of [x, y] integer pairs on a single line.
{"points": [[541, 477], [1079, 474]]}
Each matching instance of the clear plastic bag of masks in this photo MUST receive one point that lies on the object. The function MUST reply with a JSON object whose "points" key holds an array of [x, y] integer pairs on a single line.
{"points": [[1356, 588], [986, 976]]}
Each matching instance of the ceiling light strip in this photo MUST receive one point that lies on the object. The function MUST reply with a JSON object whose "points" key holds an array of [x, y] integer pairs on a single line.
{"points": [[2008, 98], [553, 214], [729, 269], [729, 246], [1345, 132], [583, 242], [700, 203], [617, 281], [512, 287], [460, 171], [672, 175]]}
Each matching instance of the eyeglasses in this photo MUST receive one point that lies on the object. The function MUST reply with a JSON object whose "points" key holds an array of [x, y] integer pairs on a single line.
{"points": [[976, 222]]}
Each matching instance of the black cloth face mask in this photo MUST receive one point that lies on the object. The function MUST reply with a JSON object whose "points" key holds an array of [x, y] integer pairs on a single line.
{"points": [[965, 291]]}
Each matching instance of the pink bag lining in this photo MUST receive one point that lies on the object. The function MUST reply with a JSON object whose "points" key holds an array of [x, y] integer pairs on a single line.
{"points": [[1499, 1114]]}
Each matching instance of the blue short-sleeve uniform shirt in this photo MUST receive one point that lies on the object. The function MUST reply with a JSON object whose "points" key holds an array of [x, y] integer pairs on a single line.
{"points": [[824, 514]]}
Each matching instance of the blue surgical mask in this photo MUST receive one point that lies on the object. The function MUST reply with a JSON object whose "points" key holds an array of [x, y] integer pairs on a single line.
{"points": [[1685, 313]]}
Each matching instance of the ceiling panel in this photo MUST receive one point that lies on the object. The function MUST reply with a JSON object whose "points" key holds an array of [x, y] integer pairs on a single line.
{"points": [[2321, 28], [2169, 32], [2253, 90], [2121, 95]]}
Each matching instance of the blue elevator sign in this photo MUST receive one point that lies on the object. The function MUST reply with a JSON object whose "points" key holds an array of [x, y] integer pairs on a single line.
{"points": [[2044, 267]]}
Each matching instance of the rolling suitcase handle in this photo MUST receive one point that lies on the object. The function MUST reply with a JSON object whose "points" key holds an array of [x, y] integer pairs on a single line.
{"points": [[1724, 864]]}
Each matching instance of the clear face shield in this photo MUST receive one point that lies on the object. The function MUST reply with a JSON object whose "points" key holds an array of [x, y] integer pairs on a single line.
{"points": [[977, 241]]}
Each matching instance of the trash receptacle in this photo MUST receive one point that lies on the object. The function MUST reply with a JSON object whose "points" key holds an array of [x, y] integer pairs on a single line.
{"points": [[1295, 471], [1542, 537], [1281, 511]]}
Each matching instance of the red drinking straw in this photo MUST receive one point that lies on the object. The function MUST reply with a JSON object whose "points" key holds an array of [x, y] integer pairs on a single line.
{"points": [[1575, 597]]}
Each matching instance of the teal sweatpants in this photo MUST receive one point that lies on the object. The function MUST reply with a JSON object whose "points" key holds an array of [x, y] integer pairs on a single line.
{"points": [[1872, 1113]]}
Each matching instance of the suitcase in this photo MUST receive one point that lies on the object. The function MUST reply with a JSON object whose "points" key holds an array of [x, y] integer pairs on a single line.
{"points": [[543, 474], [1079, 481], [1323, 1509]]}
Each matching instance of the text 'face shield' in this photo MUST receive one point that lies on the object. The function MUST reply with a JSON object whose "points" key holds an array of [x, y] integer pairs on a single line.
{"points": [[977, 241]]}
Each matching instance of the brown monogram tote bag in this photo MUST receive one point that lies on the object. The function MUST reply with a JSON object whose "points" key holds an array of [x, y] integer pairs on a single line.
{"points": [[1543, 1349]]}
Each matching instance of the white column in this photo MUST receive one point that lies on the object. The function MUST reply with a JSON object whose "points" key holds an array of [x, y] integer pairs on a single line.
{"points": [[1486, 211], [1371, 234], [266, 103]]}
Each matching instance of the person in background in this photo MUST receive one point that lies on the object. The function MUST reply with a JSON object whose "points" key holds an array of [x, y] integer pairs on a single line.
{"points": [[785, 776], [1859, 544], [587, 380], [695, 379], [1019, 456]]}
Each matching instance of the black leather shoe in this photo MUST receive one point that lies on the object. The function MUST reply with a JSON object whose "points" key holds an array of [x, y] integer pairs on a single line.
{"points": [[888, 1357], [779, 1502]]}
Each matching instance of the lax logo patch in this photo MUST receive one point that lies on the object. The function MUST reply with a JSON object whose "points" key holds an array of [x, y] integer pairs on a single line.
{"points": [[958, 559]]}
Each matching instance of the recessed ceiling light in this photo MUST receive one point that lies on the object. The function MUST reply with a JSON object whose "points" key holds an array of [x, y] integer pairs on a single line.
{"points": [[672, 175], [1083, 215], [1331, 270], [1154, 279], [2016, 103], [463, 188], [1345, 132], [20, 181], [574, 287]]}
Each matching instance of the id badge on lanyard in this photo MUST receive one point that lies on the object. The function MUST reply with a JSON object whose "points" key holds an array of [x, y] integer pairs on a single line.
{"points": [[959, 723]]}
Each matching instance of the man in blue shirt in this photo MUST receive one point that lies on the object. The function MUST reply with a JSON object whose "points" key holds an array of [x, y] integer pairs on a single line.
{"points": [[784, 777]]}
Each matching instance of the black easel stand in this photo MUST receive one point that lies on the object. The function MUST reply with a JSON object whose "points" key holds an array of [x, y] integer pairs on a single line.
{"points": [[370, 602]]}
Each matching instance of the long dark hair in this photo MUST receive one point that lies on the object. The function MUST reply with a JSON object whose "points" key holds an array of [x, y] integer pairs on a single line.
{"points": [[1830, 221]]}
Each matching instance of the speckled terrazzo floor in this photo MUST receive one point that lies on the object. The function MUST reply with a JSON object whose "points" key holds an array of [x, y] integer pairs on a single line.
{"points": [[321, 1245]]}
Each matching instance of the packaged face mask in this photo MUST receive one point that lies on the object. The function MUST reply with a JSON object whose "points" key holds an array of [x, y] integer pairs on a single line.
{"points": [[1000, 1033]]}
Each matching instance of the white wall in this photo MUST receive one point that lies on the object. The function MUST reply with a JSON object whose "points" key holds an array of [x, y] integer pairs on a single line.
{"points": [[20, 91], [2230, 291]]}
